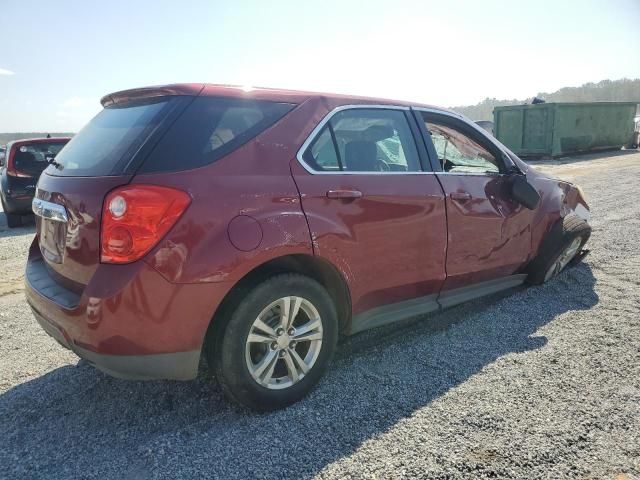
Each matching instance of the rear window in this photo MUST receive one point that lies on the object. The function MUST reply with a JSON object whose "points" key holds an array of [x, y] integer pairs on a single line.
{"points": [[210, 128], [33, 159], [108, 142]]}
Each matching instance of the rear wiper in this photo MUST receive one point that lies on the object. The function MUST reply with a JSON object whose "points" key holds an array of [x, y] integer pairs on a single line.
{"points": [[52, 161]]}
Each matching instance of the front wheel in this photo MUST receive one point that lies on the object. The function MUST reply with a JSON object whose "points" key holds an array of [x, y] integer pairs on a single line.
{"points": [[560, 247], [277, 343]]}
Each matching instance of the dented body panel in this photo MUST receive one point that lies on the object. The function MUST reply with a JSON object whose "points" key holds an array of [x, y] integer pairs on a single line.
{"points": [[558, 198], [489, 236]]}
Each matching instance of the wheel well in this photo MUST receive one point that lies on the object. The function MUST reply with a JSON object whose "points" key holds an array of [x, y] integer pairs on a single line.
{"points": [[318, 269]]}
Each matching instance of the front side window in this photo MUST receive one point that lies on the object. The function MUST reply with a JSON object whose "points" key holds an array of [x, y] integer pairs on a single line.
{"points": [[458, 152], [365, 140]]}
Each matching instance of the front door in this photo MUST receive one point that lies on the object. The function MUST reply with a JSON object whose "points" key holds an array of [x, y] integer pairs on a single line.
{"points": [[489, 234], [371, 209]]}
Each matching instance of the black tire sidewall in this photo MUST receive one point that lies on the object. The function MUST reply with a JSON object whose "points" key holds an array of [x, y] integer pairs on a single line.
{"points": [[558, 239], [229, 351], [14, 220]]}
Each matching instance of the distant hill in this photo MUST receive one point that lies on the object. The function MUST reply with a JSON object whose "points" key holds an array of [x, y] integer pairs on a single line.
{"points": [[8, 137], [624, 90]]}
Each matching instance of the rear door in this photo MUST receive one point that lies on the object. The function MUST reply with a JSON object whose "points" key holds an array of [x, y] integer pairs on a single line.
{"points": [[489, 232], [371, 208]]}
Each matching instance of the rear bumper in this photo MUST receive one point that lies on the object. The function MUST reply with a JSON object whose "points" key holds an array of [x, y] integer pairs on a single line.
{"points": [[17, 193], [170, 366], [17, 204], [128, 321]]}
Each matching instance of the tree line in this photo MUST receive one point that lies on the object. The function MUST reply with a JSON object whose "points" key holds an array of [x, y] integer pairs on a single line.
{"points": [[9, 137], [624, 90]]}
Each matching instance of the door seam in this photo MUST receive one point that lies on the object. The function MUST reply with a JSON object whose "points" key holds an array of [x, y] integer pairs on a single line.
{"points": [[446, 223], [304, 213]]}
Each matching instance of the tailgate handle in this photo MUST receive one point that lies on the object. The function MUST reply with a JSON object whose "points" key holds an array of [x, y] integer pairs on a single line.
{"points": [[344, 194], [48, 210]]}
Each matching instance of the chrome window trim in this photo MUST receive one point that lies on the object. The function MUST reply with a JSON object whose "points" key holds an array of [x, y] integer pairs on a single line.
{"points": [[439, 112], [49, 210], [314, 133], [472, 174]]}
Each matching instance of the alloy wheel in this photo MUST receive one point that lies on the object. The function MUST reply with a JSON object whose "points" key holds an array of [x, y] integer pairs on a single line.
{"points": [[563, 259], [284, 342]]}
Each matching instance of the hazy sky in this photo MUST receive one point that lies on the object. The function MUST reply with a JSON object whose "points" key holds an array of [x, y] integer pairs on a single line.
{"points": [[57, 58]]}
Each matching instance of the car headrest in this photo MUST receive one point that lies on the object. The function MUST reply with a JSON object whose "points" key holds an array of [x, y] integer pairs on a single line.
{"points": [[361, 156], [24, 157]]}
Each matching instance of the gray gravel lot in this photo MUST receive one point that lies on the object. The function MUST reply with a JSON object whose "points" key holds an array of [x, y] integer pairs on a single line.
{"points": [[540, 383]]}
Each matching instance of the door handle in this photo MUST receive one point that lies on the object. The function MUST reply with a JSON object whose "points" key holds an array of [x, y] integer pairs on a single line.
{"points": [[460, 196], [344, 194]]}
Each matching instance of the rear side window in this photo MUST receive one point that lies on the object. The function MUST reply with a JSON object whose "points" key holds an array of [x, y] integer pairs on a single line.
{"points": [[108, 142], [322, 154], [365, 140], [210, 128], [33, 159]]}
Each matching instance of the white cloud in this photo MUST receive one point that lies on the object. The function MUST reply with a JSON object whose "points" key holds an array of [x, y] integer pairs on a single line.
{"points": [[4, 71]]}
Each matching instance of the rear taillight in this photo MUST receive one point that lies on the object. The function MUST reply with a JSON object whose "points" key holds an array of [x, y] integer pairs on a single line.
{"points": [[135, 218], [11, 165]]}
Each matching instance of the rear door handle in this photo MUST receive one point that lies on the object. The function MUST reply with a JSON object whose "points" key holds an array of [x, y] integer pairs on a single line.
{"points": [[344, 194], [460, 196]]}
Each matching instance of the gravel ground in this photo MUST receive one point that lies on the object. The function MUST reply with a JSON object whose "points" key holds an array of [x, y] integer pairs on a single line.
{"points": [[538, 383]]}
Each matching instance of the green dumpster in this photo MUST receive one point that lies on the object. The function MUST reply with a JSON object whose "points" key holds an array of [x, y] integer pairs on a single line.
{"points": [[555, 129]]}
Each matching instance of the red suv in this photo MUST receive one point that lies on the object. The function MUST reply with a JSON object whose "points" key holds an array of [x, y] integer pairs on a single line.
{"points": [[255, 227]]}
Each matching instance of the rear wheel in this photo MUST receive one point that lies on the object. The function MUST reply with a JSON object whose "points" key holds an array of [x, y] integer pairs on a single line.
{"points": [[277, 343], [559, 248]]}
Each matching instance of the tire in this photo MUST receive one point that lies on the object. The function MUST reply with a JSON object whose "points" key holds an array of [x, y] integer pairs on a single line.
{"points": [[14, 220], [234, 357], [570, 233]]}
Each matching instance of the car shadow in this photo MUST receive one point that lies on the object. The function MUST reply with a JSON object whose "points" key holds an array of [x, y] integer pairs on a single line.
{"points": [[28, 226], [76, 421]]}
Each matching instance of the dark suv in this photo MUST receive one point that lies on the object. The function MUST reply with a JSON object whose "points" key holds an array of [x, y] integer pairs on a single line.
{"points": [[255, 227], [23, 162]]}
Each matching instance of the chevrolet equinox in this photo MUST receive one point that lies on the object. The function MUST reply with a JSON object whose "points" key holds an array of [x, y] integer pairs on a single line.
{"points": [[254, 227]]}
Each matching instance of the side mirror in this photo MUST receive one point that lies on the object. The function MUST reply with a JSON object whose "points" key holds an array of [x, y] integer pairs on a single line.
{"points": [[523, 192]]}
